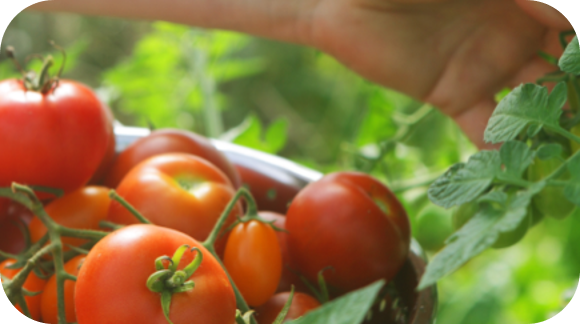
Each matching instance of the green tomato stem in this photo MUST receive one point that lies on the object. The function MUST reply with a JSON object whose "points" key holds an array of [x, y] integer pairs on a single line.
{"points": [[115, 196]]}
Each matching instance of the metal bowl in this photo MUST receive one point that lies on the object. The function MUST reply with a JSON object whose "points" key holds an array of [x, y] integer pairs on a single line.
{"points": [[422, 305]]}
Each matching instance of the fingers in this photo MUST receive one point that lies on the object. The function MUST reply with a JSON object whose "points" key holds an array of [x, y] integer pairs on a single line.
{"points": [[545, 14], [474, 121]]}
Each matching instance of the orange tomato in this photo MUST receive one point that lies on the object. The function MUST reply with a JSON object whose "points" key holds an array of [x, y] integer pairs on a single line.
{"points": [[33, 284]]}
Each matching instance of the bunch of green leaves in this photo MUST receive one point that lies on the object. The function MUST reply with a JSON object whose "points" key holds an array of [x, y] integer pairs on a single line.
{"points": [[532, 124]]}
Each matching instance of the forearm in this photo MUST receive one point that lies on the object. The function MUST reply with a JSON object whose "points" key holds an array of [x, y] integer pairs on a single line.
{"points": [[276, 19]]}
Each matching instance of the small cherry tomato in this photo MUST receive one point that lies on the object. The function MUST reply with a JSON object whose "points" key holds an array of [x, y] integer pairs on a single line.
{"points": [[49, 301], [179, 191], [550, 201], [33, 284], [289, 276], [112, 284], [169, 141], [254, 261], [301, 304], [81, 209], [351, 223], [433, 226]]}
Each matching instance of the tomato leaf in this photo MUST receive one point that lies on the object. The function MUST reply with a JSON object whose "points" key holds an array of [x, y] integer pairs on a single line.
{"points": [[348, 309], [480, 232], [249, 134], [572, 189], [528, 104], [570, 60], [516, 157], [282, 315], [464, 182], [549, 151]]}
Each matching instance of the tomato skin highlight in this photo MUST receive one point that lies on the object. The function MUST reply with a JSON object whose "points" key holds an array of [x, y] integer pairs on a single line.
{"points": [[169, 141], [351, 223], [111, 285], [177, 190], [301, 304], [49, 301], [69, 119], [81, 209], [33, 284], [254, 261]]}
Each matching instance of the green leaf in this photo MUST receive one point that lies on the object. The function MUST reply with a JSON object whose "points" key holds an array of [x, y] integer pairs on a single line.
{"points": [[479, 233], [348, 309], [570, 60], [549, 151], [463, 183], [527, 104], [572, 188], [282, 315], [249, 134], [276, 135], [516, 157]]}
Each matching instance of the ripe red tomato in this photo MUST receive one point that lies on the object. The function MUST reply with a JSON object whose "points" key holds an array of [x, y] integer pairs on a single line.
{"points": [[254, 261], [13, 215], [55, 139], [32, 284], [169, 141], [111, 286], [273, 190], [82, 209], [289, 276], [49, 301], [301, 304], [179, 191], [110, 154], [352, 223]]}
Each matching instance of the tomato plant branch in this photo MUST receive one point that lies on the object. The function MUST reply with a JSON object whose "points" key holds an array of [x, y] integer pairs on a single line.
{"points": [[213, 236], [13, 288], [115, 196]]}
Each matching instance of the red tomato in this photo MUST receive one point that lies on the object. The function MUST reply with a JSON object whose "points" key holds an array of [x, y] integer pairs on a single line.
{"points": [[55, 139], [32, 284], [179, 191], [352, 223], [273, 190], [254, 261], [49, 301], [289, 276], [110, 154], [301, 304], [169, 141], [12, 239], [111, 285], [82, 209]]}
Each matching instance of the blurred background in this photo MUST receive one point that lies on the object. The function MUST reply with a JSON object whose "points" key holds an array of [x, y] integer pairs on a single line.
{"points": [[303, 105]]}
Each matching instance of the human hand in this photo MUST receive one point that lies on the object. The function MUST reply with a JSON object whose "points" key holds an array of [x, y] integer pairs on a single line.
{"points": [[454, 54]]}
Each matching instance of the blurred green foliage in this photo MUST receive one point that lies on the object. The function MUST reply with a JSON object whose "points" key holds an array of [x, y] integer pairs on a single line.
{"points": [[304, 105]]}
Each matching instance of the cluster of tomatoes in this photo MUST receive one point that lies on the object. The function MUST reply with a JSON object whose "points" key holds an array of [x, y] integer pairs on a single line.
{"points": [[346, 228]]}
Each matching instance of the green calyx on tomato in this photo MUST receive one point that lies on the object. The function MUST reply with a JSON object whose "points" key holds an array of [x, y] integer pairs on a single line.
{"points": [[550, 201], [168, 280]]}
